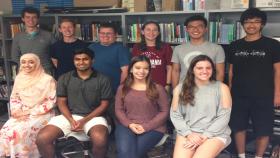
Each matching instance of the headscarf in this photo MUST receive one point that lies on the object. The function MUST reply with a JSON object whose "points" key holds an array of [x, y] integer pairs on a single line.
{"points": [[25, 82]]}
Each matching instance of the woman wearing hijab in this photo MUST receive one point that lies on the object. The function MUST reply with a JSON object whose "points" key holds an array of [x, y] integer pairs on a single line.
{"points": [[32, 100]]}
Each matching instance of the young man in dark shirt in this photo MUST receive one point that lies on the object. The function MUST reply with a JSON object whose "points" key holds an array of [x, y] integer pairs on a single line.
{"points": [[254, 78], [62, 51], [82, 97]]}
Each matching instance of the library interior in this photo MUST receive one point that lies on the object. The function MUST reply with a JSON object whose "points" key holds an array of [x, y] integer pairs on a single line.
{"points": [[129, 16]]}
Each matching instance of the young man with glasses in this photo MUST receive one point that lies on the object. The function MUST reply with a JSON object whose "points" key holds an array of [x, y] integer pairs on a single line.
{"points": [[254, 78], [196, 27], [111, 57]]}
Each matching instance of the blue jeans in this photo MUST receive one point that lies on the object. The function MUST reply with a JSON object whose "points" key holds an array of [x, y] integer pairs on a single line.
{"points": [[131, 145]]}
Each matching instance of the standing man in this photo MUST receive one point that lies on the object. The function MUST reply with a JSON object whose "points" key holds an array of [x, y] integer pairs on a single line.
{"points": [[111, 58], [33, 39], [62, 51], [196, 27], [82, 97], [254, 78]]}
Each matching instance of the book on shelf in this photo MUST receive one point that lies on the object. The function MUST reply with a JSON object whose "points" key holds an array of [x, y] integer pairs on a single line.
{"points": [[225, 33]]}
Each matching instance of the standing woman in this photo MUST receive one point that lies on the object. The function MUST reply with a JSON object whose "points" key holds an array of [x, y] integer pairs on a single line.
{"points": [[200, 112], [142, 110], [158, 52], [32, 101]]}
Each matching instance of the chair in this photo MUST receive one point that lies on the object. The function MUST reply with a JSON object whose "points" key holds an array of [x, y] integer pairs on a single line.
{"points": [[162, 149], [77, 145], [73, 145]]}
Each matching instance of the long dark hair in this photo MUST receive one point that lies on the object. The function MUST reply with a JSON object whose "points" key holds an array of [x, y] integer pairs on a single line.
{"points": [[151, 90], [188, 88], [143, 45]]}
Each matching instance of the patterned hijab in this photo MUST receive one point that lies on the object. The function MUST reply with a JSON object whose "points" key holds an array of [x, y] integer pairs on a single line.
{"points": [[26, 81]]}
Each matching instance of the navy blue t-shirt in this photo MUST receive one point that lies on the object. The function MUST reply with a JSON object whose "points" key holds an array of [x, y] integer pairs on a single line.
{"points": [[63, 52], [109, 60]]}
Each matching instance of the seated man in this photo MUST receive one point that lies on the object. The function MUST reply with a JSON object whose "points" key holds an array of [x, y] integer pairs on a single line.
{"points": [[82, 97]]}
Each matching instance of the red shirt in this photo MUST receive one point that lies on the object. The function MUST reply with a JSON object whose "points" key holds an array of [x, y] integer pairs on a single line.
{"points": [[159, 60]]}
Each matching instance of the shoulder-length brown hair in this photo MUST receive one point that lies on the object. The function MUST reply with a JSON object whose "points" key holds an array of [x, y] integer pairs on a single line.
{"points": [[151, 90], [188, 87]]}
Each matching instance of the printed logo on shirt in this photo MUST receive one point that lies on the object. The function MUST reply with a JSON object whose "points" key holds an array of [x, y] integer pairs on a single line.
{"points": [[189, 57], [253, 53], [154, 58]]}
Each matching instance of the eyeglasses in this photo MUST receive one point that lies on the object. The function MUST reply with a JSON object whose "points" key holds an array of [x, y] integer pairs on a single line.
{"points": [[252, 22], [191, 27], [106, 33]]}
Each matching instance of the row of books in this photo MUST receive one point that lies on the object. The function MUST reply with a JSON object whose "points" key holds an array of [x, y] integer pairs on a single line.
{"points": [[170, 32], [225, 33], [16, 28]]}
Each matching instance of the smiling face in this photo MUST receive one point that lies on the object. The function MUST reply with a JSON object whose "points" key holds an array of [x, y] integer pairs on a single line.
{"points": [[196, 29], [253, 26], [30, 20], [203, 71], [28, 65], [107, 36], [82, 62], [150, 32], [140, 70], [67, 29]]}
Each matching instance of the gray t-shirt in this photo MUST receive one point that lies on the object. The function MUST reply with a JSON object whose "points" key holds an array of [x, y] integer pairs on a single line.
{"points": [[207, 116], [183, 55], [83, 96], [38, 44]]}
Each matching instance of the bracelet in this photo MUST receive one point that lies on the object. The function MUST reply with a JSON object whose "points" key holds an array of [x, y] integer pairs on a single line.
{"points": [[168, 84]]}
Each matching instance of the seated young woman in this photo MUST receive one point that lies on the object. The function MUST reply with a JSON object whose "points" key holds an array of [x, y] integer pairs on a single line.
{"points": [[31, 104], [142, 110], [200, 112]]}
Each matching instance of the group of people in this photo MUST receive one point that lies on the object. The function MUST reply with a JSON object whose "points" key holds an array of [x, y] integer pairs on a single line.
{"points": [[94, 82]]}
